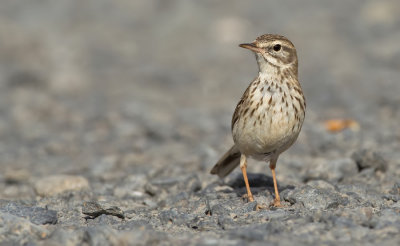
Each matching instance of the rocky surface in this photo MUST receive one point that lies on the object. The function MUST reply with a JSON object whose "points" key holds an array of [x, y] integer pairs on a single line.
{"points": [[113, 113]]}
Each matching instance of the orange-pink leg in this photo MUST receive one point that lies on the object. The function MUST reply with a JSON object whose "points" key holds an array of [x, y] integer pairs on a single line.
{"points": [[277, 200], [243, 166]]}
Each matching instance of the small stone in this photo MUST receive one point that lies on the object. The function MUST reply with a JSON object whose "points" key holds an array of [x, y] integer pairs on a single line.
{"points": [[248, 207], [395, 189], [369, 159], [312, 198], [389, 217], [165, 182], [225, 222], [94, 209], [16, 176], [203, 224], [63, 236], [131, 187], [330, 170], [16, 229], [56, 184], [191, 184], [150, 203], [137, 225], [321, 184], [220, 209], [361, 194], [37, 215], [103, 219], [167, 216], [104, 166], [152, 190], [115, 211], [223, 188], [252, 233], [124, 192], [100, 235]]}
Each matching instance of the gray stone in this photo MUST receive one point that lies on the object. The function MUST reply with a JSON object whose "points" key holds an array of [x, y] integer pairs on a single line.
{"points": [[248, 234], [165, 182], [204, 223], [151, 189], [366, 158], [247, 208], [394, 193], [100, 235], [365, 195], [190, 184], [321, 184], [395, 189], [330, 170], [94, 209], [135, 225], [57, 184], [225, 222], [172, 216], [220, 209], [104, 219], [131, 187], [66, 236], [14, 176], [18, 231], [389, 218], [312, 198], [37, 215]]}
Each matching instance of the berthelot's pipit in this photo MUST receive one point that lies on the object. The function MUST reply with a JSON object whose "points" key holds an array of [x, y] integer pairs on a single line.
{"points": [[269, 116]]}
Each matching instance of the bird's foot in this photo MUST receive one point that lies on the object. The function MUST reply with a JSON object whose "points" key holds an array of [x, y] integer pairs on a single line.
{"points": [[247, 197], [259, 207], [276, 203]]}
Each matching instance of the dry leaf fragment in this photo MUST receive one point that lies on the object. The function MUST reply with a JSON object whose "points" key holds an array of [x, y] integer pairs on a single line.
{"points": [[337, 125]]}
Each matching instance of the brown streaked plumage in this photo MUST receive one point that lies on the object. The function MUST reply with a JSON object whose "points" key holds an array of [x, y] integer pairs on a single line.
{"points": [[265, 129]]}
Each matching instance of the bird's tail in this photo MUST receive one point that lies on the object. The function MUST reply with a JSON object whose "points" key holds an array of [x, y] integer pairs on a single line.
{"points": [[227, 163]]}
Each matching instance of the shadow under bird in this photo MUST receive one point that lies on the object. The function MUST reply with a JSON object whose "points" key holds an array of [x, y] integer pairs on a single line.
{"points": [[269, 116]]}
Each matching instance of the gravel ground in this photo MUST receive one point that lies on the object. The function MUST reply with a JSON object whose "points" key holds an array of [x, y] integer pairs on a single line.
{"points": [[112, 113]]}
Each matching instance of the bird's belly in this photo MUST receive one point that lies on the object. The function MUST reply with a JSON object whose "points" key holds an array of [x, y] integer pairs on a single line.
{"points": [[272, 134]]}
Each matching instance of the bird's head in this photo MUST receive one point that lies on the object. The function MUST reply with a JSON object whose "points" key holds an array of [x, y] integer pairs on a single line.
{"points": [[273, 50]]}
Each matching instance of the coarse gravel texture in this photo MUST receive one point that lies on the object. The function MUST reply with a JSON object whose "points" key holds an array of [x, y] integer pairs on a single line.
{"points": [[112, 113]]}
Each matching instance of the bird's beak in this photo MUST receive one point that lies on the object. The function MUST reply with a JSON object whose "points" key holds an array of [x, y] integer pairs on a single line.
{"points": [[252, 47]]}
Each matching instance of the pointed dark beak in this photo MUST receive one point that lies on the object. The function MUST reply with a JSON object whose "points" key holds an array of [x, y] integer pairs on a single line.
{"points": [[252, 47]]}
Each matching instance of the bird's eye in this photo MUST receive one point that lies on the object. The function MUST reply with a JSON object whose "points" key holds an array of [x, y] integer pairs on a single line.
{"points": [[277, 47]]}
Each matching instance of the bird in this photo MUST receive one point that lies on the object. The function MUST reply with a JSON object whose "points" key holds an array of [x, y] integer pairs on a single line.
{"points": [[269, 116]]}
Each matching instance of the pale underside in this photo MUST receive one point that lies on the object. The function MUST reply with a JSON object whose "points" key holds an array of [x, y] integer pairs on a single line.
{"points": [[275, 123]]}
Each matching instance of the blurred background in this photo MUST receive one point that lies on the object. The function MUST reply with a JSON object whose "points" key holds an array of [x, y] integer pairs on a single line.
{"points": [[103, 88]]}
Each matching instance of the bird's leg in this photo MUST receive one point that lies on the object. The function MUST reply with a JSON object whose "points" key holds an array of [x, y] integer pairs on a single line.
{"points": [[243, 166], [277, 201]]}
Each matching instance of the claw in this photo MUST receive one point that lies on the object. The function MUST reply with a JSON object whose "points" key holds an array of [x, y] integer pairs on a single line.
{"points": [[277, 204]]}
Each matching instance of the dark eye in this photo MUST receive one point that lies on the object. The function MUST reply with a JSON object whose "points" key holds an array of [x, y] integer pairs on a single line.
{"points": [[277, 47]]}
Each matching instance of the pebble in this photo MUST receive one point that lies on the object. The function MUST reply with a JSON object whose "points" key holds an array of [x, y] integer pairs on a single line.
{"points": [[312, 198], [19, 229], [321, 184], [57, 184], [330, 170], [366, 158], [37, 215], [94, 209]]}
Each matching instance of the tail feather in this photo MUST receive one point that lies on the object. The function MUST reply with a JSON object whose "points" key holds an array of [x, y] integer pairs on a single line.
{"points": [[229, 161]]}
